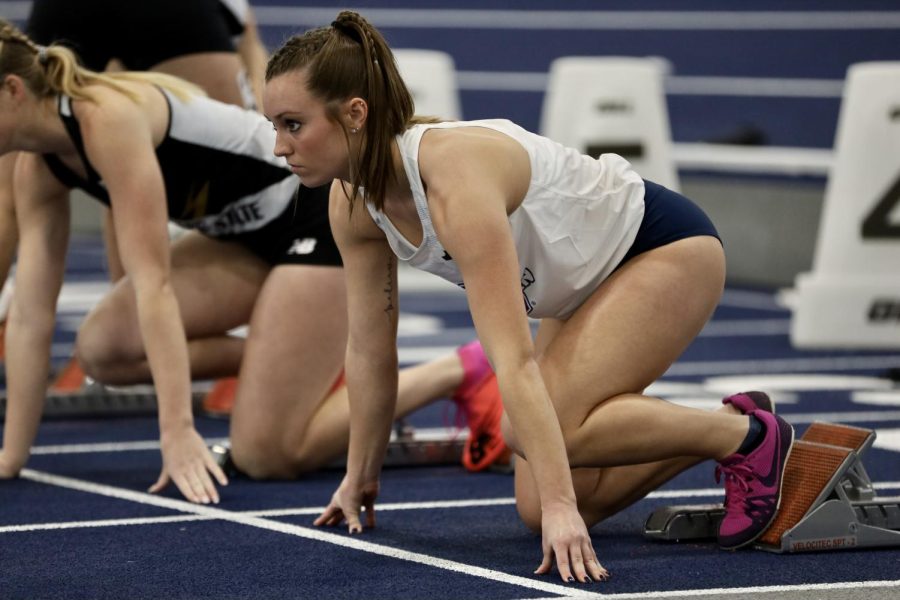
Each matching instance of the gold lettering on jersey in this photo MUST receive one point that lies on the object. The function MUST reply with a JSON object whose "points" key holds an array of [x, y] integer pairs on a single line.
{"points": [[195, 207]]}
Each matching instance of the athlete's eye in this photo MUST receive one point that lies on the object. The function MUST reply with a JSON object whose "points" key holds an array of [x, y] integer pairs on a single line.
{"points": [[292, 126]]}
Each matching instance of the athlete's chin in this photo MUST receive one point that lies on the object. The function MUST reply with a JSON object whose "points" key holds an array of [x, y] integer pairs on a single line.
{"points": [[310, 178]]}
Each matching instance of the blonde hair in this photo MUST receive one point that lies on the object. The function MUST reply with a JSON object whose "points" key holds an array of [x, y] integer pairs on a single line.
{"points": [[54, 69], [351, 59]]}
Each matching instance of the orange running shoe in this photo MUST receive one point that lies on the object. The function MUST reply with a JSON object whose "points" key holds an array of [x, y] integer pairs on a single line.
{"points": [[219, 400], [478, 398]]}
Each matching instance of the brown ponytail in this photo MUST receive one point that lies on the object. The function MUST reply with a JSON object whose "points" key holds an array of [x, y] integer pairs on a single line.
{"points": [[351, 59], [54, 69]]}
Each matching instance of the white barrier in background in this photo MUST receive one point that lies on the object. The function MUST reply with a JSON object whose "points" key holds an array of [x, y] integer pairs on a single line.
{"points": [[851, 298], [612, 104], [430, 76]]}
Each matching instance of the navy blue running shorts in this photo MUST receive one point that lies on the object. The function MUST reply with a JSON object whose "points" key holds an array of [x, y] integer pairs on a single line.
{"points": [[668, 217], [139, 34], [301, 235]]}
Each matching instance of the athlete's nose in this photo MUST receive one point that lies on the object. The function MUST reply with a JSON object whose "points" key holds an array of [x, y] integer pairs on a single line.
{"points": [[282, 148]]}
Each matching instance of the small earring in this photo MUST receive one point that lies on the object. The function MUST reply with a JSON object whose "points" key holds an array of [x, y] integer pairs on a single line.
{"points": [[354, 130]]}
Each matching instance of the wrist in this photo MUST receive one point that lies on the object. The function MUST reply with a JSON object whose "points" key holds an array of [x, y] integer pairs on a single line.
{"points": [[171, 427], [12, 462], [559, 503]]}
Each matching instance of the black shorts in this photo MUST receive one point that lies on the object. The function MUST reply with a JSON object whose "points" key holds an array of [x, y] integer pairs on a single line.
{"points": [[301, 235], [668, 217], [139, 34]]}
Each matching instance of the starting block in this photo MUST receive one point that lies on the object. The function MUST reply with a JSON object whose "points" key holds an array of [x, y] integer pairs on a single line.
{"points": [[97, 400], [828, 501], [408, 447]]}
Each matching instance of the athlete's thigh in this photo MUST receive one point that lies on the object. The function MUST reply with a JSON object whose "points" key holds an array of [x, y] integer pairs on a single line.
{"points": [[634, 326], [294, 350], [218, 73], [216, 284]]}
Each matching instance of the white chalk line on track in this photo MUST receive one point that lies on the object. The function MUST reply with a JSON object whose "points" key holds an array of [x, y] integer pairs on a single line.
{"points": [[770, 589], [712, 494], [354, 543], [425, 434], [272, 512], [253, 519]]}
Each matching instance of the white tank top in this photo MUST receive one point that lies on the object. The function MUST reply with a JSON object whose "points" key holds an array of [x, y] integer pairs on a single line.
{"points": [[578, 219]]}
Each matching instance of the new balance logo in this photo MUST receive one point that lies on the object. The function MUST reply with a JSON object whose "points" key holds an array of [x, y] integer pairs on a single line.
{"points": [[304, 246]]}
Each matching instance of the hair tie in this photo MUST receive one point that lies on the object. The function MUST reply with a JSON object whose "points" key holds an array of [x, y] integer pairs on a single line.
{"points": [[42, 54]]}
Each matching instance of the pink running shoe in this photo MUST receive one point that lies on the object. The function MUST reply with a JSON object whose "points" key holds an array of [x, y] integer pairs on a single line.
{"points": [[753, 483], [478, 398], [475, 368], [750, 401]]}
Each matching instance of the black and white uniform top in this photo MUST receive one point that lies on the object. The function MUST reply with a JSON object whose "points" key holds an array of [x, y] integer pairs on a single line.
{"points": [[222, 179]]}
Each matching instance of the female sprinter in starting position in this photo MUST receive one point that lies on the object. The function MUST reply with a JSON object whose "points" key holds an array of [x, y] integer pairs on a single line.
{"points": [[622, 273], [152, 147]]}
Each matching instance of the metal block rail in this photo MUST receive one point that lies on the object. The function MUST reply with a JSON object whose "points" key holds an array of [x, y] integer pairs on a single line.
{"points": [[408, 446], [411, 447], [828, 501], [99, 401]]}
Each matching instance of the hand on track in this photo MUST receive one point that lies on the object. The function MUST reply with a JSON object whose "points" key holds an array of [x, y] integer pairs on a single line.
{"points": [[565, 536], [346, 504], [188, 462]]}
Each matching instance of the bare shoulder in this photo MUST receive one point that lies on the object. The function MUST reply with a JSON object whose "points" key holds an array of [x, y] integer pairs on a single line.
{"points": [[451, 158], [348, 223], [111, 111], [106, 103]]}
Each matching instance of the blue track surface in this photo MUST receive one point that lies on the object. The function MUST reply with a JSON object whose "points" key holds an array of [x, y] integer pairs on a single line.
{"points": [[62, 534]]}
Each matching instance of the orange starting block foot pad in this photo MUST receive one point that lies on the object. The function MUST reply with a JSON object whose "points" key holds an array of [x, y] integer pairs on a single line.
{"points": [[219, 401], [809, 471], [845, 436], [70, 379]]}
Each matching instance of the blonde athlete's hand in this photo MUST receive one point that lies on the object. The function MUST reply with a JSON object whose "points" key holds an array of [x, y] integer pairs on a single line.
{"points": [[188, 462], [346, 504], [9, 469], [564, 535]]}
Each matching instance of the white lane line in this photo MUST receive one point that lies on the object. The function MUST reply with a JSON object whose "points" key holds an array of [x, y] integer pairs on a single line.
{"points": [[761, 589], [643, 20], [785, 365], [745, 327], [106, 447], [844, 417], [354, 543], [417, 354], [434, 504], [777, 87], [440, 433], [100, 523], [422, 434], [749, 299], [712, 493], [271, 512]]}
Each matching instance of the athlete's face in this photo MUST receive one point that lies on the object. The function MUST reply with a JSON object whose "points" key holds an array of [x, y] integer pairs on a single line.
{"points": [[314, 145]]}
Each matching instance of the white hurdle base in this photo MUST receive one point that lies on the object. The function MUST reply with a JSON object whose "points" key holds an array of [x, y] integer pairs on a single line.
{"points": [[847, 312]]}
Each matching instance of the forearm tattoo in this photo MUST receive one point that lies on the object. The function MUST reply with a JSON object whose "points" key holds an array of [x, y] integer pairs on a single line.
{"points": [[389, 288]]}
